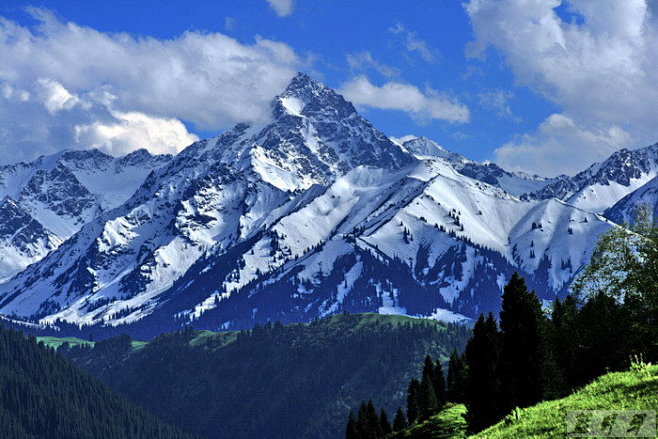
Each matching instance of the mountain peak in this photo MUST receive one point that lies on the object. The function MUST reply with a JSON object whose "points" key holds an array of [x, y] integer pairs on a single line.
{"points": [[304, 96]]}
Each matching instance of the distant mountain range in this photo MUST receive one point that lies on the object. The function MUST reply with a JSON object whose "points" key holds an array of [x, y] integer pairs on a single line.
{"points": [[310, 213]]}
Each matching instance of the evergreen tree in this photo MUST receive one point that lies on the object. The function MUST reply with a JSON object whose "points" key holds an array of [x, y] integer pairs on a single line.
{"points": [[456, 377], [427, 401], [351, 431], [482, 392], [384, 424], [413, 406], [565, 340], [363, 423], [522, 337], [43, 395], [604, 331], [439, 382], [373, 422], [400, 422]]}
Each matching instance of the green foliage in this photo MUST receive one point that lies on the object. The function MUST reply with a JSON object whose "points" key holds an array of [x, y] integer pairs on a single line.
{"points": [[275, 381], [45, 396], [624, 266], [632, 390]]}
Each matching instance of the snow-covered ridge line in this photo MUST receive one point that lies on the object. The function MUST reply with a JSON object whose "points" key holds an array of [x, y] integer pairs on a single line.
{"points": [[309, 213]]}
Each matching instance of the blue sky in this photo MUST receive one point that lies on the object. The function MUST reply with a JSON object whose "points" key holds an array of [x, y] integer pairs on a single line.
{"points": [[531, 84]]}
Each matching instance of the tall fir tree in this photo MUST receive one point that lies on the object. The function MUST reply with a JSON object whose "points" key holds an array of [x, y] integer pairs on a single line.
{"points": [[522, 335], [428, 403], [351, 431], [399, 422], [456, 377], [439, 381], [385, 425], [413, 406], [482, 393], [565, 340]]}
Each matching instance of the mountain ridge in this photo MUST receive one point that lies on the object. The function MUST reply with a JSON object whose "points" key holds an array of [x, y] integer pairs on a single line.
{"points": [[310, 213]]}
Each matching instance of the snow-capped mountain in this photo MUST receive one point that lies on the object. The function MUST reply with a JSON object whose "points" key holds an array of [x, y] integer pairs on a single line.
{"points": [[308, 213], [625, 209], [514, 183], [47, 201], [601, 185]]}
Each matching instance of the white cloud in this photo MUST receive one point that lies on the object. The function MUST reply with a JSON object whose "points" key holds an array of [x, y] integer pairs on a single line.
{"points": [[405, 97], [599, 69], [59, 75], [282, 8], [560, 146], [413, 43], [364, 60], [55, 96], [133, 130]]}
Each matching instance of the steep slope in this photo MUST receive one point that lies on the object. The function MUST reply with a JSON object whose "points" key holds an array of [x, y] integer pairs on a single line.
{"points": [[603, 184], [514, 183], [625, 209], [634, 390], [61, 193], [44, 395], [23, 240], [274, 381], [309, 213]]}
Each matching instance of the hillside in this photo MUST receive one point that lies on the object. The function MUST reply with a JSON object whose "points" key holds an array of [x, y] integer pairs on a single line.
{"points": [[45, 396], [274, 381], [633, 390]]}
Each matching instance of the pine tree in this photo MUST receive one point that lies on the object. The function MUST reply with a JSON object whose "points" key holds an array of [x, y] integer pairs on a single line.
{"points": [[604, 333], [428, 403], [384, 424], [363, 424], [400, 422], [521, 324], [439, 382], [456, 377], [373, 422], [413, 406], [351, 431], [565, 340], [482, 390]]}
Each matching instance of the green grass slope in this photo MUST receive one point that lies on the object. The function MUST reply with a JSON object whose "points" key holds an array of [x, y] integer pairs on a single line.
{"points": [[276, 381], [448, 424], [634, 390]]}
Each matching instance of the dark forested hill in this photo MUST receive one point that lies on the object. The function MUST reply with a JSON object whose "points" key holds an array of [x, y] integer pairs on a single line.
{"points": [[273, 381], [45, 396]]}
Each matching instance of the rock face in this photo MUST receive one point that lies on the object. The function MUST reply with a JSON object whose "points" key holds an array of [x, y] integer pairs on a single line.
{"points": [[59, 194], [309, 213]]}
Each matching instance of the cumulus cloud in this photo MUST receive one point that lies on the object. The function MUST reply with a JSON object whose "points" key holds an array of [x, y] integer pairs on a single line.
{"points": [[560, 146], [282, 8], [598, 66], [413, 43], [430, 105], [56, 76], [132, 130]]}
